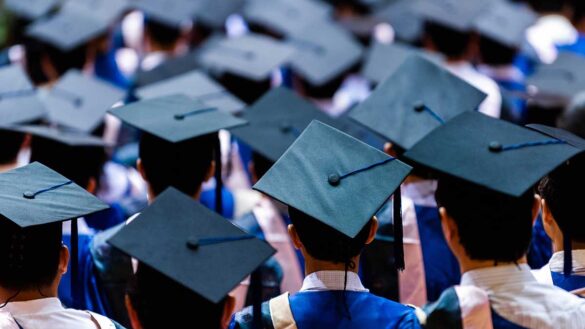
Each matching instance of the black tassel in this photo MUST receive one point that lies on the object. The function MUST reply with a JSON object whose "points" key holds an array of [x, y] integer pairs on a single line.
{"points": [[398, 234], [75, 282], [568, 255], [218, 178]]}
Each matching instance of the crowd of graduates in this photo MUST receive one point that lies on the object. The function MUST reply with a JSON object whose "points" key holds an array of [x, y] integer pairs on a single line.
{"points": [[288, 164]]}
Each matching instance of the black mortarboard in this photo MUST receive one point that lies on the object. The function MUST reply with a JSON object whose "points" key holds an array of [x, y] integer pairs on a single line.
{"points": [[336, 179], [404, 17], [196, 85], [167, 69], [286, 17], [18, 99], [65, 137], [31, 9], [383, 60], [454, 14], [195, 247], [491, 153], [174, 13], [251, 56], [505, 23], [80, 102], [417, 98], [36, 195], [106, 10], [214, 13], [324, 55], [175, 118]]}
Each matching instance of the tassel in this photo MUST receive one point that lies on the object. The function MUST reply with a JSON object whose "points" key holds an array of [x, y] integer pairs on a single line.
{"points": [[218, 179], [398, 234], [568, 255]]}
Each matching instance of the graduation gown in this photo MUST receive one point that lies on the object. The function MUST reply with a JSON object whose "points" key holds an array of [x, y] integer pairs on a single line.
{"points": [[552, 273]]}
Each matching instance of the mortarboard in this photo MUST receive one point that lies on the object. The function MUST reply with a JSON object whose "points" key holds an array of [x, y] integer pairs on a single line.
{"points": [[214, 13], [18, 98], [173, 13], [505, 23], [31, 9], [286, 17], [454, 14], [491, 153], [323, 56], [80, 102], [195, 247], [404, 17], [105, 10], [196, 85], [383, 60], [61, 136], [252, 56], [419, 97], [337, 180], [167, 69]]}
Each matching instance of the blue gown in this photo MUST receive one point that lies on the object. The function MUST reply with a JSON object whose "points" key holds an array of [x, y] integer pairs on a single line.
{"points": [[568, 283]]}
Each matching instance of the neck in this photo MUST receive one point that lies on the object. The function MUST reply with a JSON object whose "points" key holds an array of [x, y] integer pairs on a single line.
{"points": [[313, 265], [8, 295], [467, 264], [558, 245], [8, 166]]}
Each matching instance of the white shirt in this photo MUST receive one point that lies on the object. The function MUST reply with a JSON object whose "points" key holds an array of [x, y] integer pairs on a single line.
{"points": [[492, 105], [48, 313], [516, 296], [422, 193], [332, 280], [548, 32], [556, 264]]}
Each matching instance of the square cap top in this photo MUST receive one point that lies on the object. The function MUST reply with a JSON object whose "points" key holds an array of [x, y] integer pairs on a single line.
{"points": [[195, 247], [167, 69], [196, 85], [59, 135], [36, 195], [323, 52], [276, 120], [505, 22], [383, 60], [334, 178], [455, 14], [404, 17], [175, 118], [80, 102], [417, 98], [252, 56], [105, 10], [559, 81], [19, 101], [491, 153], [173, 13], [214, 13], [286, 17], [31, 9]]}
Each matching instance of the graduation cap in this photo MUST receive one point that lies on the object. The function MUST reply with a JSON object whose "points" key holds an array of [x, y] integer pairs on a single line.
{"points": [[454, 14], [167, 69], [195, 247], [419, 97], [251, 56], [404, 17], [80, 102], [59, 135], [323, 52], [286, 17], [106, 10], [505, 22], [383, 59], [214, 13], [337, 180], [31, 9], [196, 85], [18, 98], [173, 13]]}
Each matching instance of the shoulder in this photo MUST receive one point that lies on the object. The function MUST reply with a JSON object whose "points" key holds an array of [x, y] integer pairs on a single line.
{"points": [[109, 260], [244, 318], [7, 322]]}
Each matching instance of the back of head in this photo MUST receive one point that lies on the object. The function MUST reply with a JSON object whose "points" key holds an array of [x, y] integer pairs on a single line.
{"points": [[562, 190], [495, 53], [163, 303], [449, 42], [164, 35], [491, 225], [61, 61], [547, 6], [325, 243], [29, 257], [261, 164], [183, 165], [573, 118], [10, 146]]}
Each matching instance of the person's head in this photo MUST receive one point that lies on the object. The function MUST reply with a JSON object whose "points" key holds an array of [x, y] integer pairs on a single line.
{"points": [[323, 243], [560, 194], [573, 118], [155, 301], [483, 225], [578, 18], [45, 63], [259, 165], [453, 44], [185, 165], [10, 147], [32, 259], [160, 36], [494, 53], [548, 6]]}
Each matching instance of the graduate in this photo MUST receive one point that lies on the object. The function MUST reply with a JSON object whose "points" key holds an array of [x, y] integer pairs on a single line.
{"points": [[331, 183], [188, 263], [34, 201], [487, 211]]}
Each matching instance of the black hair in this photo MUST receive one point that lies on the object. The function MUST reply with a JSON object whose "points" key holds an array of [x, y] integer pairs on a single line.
{"points": [[163, 34], [29, 257], [496, 53], [562, 190], [546, 6], [78, 163], [10, 144], [245, 89], [261, 164], [62, 61], [449, 42], [578, 11], [491, 225], [163, 303], [182, 165], [325, 243]]}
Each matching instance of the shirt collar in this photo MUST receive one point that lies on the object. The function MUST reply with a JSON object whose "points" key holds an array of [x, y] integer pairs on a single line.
{"points": [[421, 192], [491, 277], [557, 262], [36, 306], [332, 280]]}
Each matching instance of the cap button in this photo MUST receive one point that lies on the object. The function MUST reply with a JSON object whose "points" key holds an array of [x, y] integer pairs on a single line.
{"points": [[193, 243], [419, 106], [28, 195], [495, 147], [285, 127], [334, 179], [179, 116]]}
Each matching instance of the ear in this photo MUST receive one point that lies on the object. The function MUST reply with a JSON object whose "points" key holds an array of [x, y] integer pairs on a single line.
{"points": [[449, 227], [294, 236], [373, 230], [134, 321], [140, 168], [63, 259], [537, 206], [252, 171], [92, 185], [210, 171], [389, 149], [228, 311]]}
